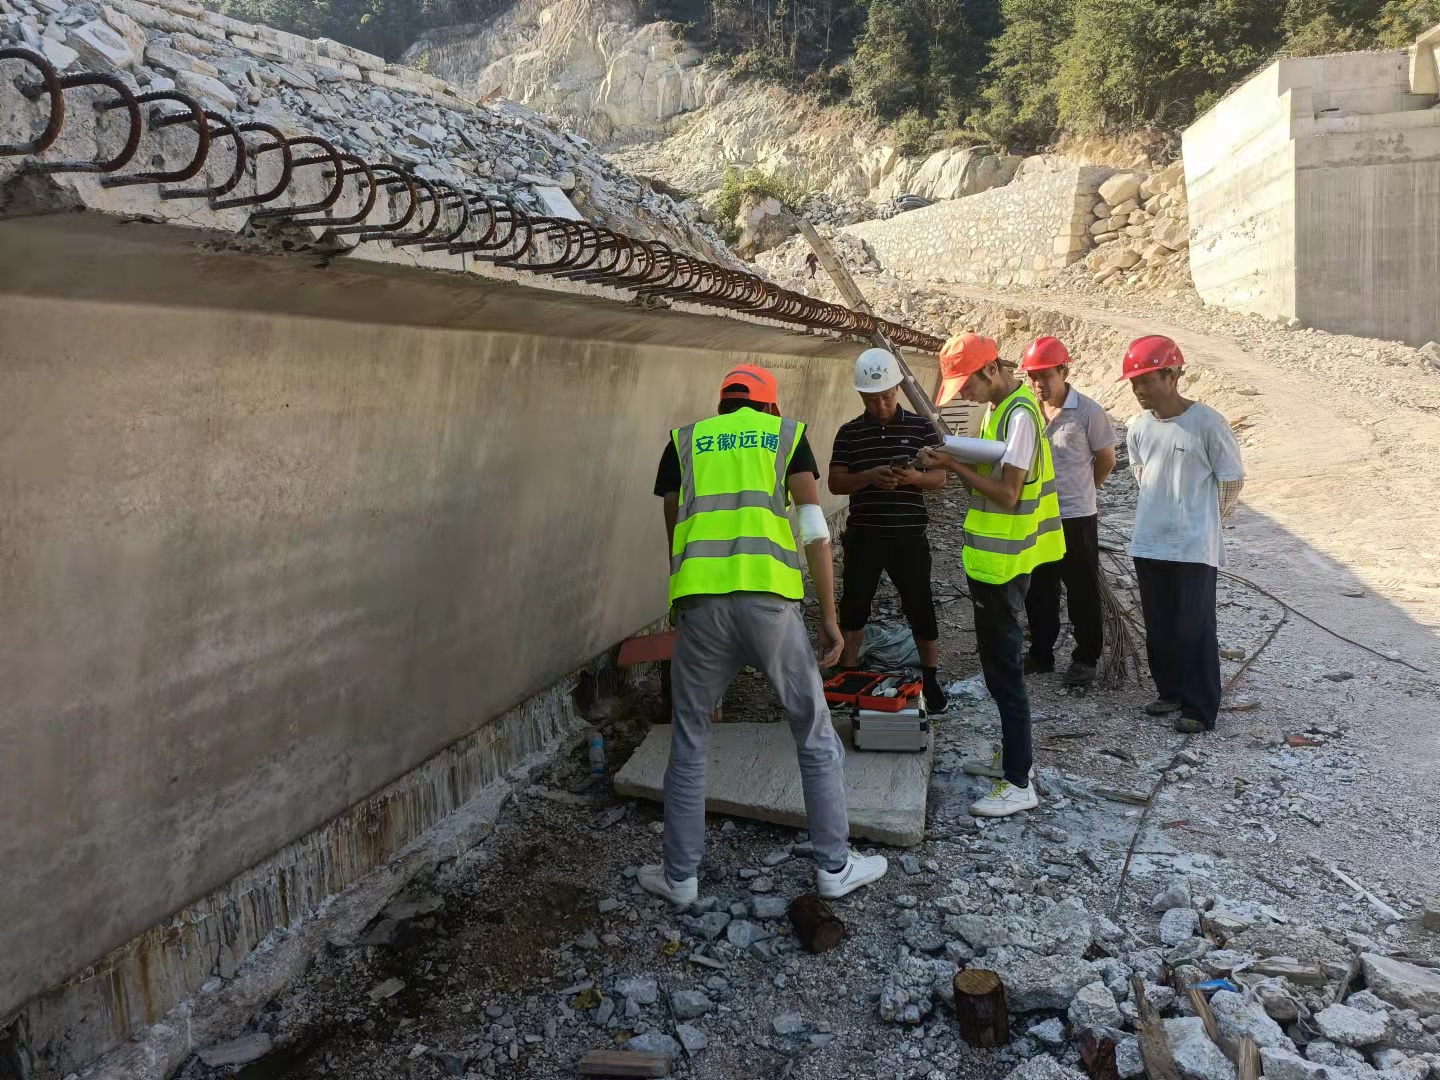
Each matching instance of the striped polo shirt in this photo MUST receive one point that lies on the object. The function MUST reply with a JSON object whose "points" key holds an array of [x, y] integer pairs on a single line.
{"points": [[863, 444]]}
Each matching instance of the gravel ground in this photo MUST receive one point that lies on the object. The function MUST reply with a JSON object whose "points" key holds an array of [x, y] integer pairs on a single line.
{"points": [[544, 948]]}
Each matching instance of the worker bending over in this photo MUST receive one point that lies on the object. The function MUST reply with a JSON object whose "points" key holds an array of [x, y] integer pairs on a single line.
{"points": [[1013, 526], [885, 530], [1187, 464], [735, 591], [1082, 443]]}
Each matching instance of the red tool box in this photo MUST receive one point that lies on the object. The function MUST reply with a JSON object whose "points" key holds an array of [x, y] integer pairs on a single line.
{"points": [[858, 688]]}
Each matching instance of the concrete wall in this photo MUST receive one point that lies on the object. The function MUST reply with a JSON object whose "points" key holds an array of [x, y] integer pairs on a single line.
{"points": [[1012, 235], [272, 534], [1315, 194], [1240, 176]]}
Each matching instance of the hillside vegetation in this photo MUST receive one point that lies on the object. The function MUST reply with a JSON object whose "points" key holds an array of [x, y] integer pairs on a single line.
{"points": [[1017, 72]]}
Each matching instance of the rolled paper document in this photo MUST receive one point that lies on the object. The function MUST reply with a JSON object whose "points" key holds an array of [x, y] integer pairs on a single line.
{"points": [[975, 451]]}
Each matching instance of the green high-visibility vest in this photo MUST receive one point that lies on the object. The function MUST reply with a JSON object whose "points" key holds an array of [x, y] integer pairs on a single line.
{"points": [[1002, 544], [732, 533]]}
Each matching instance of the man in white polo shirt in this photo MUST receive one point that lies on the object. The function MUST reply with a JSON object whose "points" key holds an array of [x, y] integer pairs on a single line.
{"points": [[1082, 442]]}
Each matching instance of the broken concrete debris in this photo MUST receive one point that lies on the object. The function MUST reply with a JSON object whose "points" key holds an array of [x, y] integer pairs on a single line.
{"points": [[241, 1051]]}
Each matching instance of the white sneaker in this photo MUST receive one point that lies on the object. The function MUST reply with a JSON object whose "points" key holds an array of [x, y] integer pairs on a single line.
{"points": [[1005, 799], [994, 770], [653, 880], [858, 870]]}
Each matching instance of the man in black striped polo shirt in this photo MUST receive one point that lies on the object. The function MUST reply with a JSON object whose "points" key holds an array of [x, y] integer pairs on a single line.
{"points": [[887, 522]]}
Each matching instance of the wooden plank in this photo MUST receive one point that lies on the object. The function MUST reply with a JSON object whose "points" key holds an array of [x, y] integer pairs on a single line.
{"points": [[1155, 1049], [850, 292], [1249, 1063], [1201, 1004], [647, 649], [624, 1063]]}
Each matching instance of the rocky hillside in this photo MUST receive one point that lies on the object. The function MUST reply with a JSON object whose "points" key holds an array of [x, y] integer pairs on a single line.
{"points": [[641, 90]]}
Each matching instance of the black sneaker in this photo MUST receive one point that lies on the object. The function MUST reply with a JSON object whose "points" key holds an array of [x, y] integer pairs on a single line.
{"points": [[1162, 707], [1035, 666], [1079, 675], [936, 703]]}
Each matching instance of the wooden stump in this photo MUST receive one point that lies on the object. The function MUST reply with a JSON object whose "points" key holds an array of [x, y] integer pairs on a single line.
{"points": [[981, 1008], [1098, 1057], [815, 923]]}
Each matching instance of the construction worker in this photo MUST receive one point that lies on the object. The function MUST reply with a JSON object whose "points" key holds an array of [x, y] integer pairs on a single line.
{"points": [[1012, 526], [1082, 443], [1187, 463], [735, 591], [885, 530]]}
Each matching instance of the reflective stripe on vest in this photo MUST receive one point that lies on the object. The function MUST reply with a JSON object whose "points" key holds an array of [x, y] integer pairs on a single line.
{"points": [[732, 533], [1000, 543]]}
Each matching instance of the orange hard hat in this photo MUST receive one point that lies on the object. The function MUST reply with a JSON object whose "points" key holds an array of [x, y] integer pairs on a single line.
{"points": [[1045, 352], [1153, 353], [759, 385], [962, 356]]}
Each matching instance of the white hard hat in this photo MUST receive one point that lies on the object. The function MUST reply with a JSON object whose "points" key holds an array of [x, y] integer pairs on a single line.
{"points": [[876, 371]]}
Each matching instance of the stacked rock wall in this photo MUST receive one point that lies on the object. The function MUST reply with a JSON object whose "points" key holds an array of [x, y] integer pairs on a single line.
{"points": [[1141, 229], [1014, 235]]}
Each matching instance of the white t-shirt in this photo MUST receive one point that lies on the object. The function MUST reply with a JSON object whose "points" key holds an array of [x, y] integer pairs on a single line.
{"points": [[1182, 462], [1020, 441]]}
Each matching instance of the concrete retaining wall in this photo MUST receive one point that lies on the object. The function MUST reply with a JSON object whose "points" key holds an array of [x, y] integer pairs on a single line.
{"points": [[1012, 235], [273, 534], [1315, 194]]}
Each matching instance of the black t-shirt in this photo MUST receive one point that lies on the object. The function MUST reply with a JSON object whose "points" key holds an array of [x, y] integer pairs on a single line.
{"points": [[667, 480], [863, 444]]}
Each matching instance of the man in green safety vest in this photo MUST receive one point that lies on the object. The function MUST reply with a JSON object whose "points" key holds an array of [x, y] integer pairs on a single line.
{"points": [[735, 592], [1013, 526]]}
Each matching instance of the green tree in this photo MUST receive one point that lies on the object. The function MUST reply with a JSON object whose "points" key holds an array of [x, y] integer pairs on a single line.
{"points": [[923, 56], [1402, 21], [1020, 98], [1139, 61]]}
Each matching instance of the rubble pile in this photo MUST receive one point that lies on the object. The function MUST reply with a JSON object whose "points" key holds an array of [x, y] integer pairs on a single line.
{"points": [[1141, 231], [363, 105]]}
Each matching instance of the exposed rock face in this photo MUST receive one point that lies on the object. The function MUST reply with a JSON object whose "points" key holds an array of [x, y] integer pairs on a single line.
{"points": [[589, 61]]}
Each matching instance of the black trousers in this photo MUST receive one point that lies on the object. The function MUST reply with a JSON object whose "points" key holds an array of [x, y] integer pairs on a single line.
{"points": [[1000, 640], [1179, 604], [1079, 573], [907, 560]]}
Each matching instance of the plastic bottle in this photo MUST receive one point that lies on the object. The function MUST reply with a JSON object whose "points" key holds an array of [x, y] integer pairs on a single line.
{"points": [[597, 752]]}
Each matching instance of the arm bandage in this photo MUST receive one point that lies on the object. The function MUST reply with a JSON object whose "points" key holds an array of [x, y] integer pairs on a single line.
{"points": [[813, 526]]}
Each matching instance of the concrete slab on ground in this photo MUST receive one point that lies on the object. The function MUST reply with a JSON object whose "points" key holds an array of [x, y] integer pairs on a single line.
{"points": [[752, 773]]}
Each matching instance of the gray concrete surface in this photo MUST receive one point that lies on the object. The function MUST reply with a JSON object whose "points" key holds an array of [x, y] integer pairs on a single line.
{"points": [[752, 773], [277, 531], [1314, 194]]}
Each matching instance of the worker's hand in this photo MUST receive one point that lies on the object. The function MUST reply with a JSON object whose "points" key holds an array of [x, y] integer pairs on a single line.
{"points": [[929, 458], [829, 643], [910, 477], [883, 477]]}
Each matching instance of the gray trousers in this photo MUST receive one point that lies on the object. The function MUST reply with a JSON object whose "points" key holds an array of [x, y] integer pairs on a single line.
{"points": [[715, 637]]}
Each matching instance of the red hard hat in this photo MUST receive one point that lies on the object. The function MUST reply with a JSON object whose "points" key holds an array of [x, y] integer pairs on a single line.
{"points": [[1151, 353], [1045, 352], [760, 385]]}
